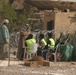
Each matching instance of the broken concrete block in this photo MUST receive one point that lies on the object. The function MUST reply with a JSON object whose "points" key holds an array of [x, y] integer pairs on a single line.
{"points": [[46, 63]]}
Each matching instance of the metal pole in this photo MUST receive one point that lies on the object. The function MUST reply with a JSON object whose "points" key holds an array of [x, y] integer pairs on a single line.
{"points": [[9, 56]]}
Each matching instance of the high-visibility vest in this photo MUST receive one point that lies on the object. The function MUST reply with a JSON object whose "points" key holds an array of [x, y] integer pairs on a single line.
{"points": [[29, 43], [52, 44], [44, 42]]}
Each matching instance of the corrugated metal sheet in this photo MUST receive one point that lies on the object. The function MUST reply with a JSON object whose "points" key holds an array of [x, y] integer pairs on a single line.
{"points": [[51, 4]]}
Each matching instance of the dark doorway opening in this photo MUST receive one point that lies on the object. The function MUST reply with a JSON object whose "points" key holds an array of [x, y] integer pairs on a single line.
{"points": [[50, 25]]}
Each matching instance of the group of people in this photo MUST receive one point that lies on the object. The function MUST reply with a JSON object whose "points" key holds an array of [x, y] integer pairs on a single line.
{"points": [[45, 45], [27, 40]]}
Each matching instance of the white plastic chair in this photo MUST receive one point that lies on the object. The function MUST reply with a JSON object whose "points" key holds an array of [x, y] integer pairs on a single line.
{"points": [[54, 53], [34, 48], [34, 51]]}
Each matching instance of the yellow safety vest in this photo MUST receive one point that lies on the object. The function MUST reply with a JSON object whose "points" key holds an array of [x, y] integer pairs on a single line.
{"points": [[29, 43], [52, 45], [44, 42]]}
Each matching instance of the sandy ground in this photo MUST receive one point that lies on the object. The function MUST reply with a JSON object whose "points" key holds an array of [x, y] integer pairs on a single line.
{"points": [[16, 67], [56, 68]]}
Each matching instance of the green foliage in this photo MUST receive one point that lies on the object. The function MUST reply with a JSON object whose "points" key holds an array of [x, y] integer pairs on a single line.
{"points": [[22, 19], [6, 11], [9, 13], [1, 4], [17, 19]]}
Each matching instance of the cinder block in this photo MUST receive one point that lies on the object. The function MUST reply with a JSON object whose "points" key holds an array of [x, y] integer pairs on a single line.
{"points": [[36, 61], [46, 63], [31, 63], [37, 58]]}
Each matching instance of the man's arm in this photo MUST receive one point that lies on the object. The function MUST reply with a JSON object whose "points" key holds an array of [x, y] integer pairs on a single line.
{"points": [[5, 33]]}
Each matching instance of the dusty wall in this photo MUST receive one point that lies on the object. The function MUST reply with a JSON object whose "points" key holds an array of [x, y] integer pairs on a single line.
{"points": [[48, 15], [63, 21]]}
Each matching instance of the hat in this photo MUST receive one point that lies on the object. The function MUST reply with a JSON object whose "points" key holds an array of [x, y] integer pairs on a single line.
{"points": [[5, 21]]}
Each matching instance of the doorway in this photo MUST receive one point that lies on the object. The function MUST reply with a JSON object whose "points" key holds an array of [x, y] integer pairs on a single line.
{"points": [[50, 25]]}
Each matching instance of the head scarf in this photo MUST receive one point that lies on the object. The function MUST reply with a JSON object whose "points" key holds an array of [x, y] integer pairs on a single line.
{"points": [[5, 21]]}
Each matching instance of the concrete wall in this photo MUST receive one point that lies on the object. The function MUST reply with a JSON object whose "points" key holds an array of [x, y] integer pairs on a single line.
{"points": [[63, 21], [48, 16]]}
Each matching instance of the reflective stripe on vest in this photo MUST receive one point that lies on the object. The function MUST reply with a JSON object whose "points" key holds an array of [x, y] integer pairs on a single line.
{"points": [[29, 43], [52, 45], [44, 42]]}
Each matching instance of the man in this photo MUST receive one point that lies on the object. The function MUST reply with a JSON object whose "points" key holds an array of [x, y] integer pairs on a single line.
{"points": [[42, 42], [29, 42], [50, 45], [42, 46], [50, 41], [4, 39], [24, 32]]}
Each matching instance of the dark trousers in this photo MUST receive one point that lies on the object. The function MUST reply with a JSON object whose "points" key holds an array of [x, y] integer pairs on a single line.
{"points": [[22, 54], [42, 53]]}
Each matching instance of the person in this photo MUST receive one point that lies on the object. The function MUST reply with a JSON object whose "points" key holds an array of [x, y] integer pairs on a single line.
{"points": [[50, 41], [24, 32], [4, 39], [42, 46], [50, 45], [42, 42], [29, 42]]}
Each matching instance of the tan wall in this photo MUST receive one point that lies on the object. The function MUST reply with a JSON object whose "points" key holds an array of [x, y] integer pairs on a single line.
{"points": [[48, 16], [63, 21]]}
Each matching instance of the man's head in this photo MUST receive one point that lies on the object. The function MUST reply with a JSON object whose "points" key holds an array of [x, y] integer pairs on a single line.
{"points": [[41, 36], [5, 21], [49, 35], [30, 36]]}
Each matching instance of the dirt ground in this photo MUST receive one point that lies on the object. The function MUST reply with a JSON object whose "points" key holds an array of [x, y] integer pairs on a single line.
{"points": [[17, 67], [56, 68]]}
